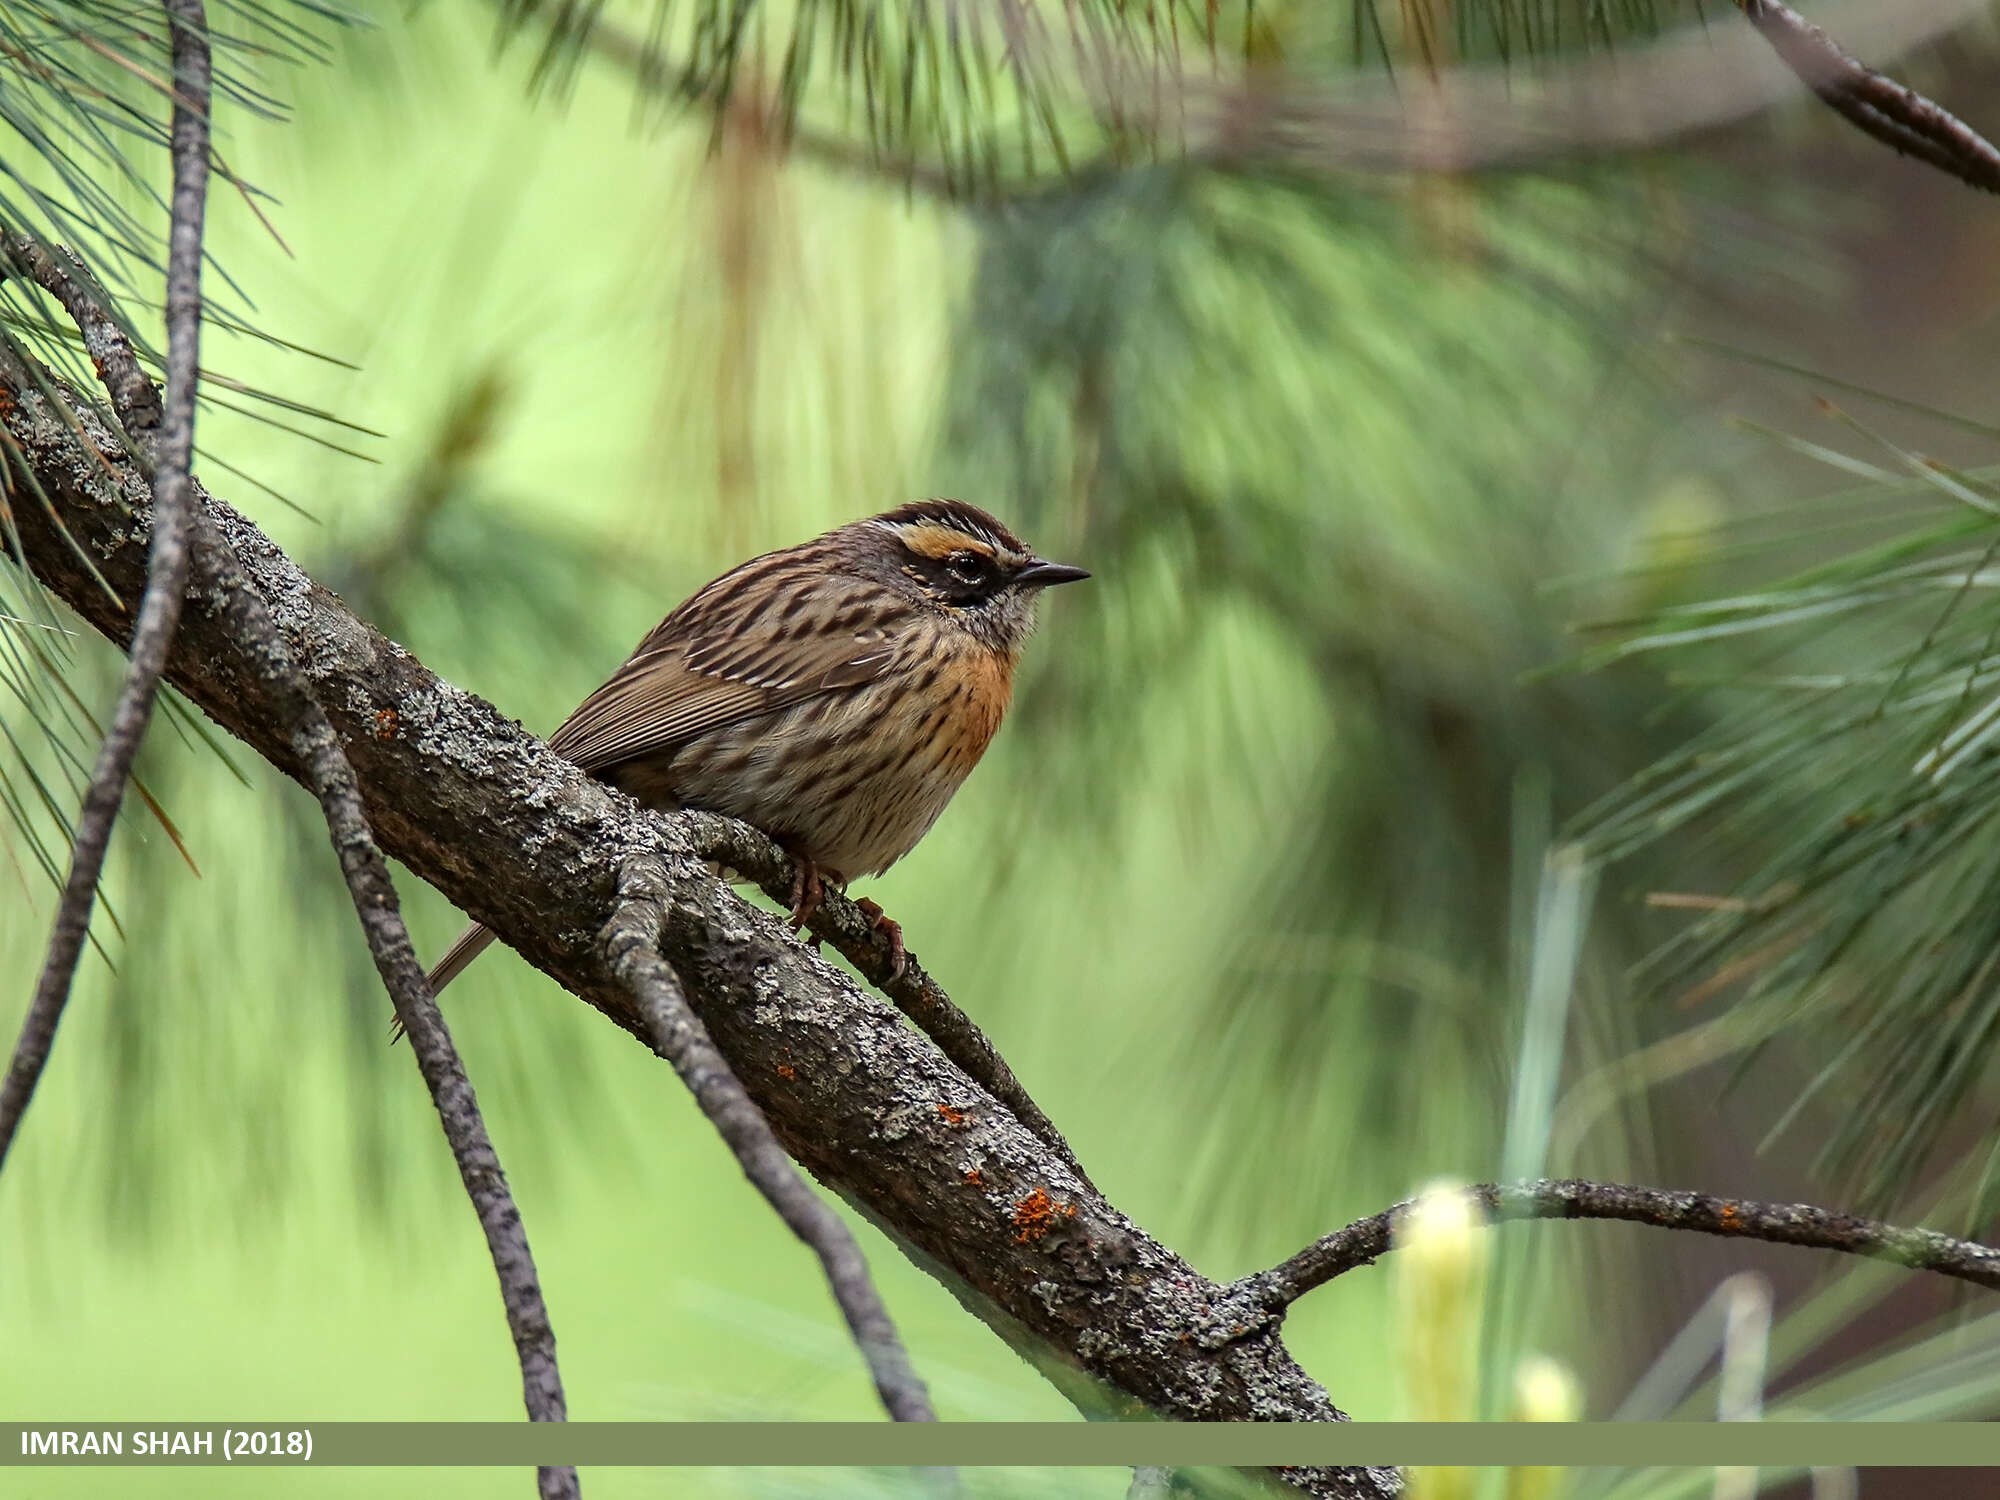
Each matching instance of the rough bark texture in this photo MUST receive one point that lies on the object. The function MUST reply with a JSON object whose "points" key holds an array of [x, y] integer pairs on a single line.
{"points": [[529, 845]]}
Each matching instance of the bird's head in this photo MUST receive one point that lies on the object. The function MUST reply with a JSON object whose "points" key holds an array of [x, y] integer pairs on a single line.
{"points": [[963, 561]]}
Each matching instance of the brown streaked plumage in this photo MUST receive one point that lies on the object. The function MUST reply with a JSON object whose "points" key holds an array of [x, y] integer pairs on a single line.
{"points": [[835, 694]]}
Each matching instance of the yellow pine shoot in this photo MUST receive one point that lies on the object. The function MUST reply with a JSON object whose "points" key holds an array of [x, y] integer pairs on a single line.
{"points": [[1441, 1260]]}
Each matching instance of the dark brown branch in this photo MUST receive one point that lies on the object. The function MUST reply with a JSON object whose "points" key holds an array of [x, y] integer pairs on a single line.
{"points": [[1366, 1240], [631, 947], [325, 769], [753, 855], [522, 840], [166, 568], [1896, 115]]}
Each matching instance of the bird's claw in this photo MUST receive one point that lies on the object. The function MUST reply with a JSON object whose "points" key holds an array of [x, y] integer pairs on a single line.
{"points": [[880, 921], [808, 890]]}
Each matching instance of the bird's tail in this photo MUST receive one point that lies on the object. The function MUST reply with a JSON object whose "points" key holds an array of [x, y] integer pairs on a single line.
{"points": [[471, 943]]}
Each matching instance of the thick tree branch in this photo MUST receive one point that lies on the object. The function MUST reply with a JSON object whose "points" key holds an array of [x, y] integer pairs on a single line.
{"points": [[522, 840], [1878, 105], [755, 856], [1364, 1241], [166, 570], [631, 941]]}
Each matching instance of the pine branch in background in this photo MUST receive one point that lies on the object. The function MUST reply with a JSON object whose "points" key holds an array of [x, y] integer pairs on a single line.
{"points": [[1869, 925], [167, 568], [979, 104]]}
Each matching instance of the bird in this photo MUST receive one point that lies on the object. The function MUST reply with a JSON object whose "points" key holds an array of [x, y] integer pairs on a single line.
{"points": [[834, 694]]}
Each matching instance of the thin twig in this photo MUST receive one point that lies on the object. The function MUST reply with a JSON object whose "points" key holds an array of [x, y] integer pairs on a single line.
{"points": [[373, 891], [755, 856], [327, 771], [166, 570], [1873, 102], [631, 946], [1805, 1224]]}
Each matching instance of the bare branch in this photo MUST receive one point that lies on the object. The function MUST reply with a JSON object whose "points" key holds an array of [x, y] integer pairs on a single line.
{"points": [[755, 856], [631, 945], [166, 569], [1878, 105], [1364, 1241]]}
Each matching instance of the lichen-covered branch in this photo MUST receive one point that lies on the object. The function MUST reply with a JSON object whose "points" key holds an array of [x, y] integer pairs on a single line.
{"points": [[1366, 1240], [528, 844], [630, 945]]}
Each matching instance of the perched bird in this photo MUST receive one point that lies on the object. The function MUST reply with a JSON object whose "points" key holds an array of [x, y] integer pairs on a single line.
{"points": [[833, 694]]}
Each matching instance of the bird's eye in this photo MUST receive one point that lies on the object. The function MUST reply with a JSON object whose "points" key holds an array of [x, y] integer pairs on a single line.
{"points": [[968, 568]]}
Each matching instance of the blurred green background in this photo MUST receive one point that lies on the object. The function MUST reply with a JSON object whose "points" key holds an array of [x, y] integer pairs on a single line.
{"points": [[1248, 890]]}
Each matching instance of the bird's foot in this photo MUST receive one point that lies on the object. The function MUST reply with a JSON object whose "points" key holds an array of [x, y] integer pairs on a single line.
{"points": [[808, 890], [891, 929]]}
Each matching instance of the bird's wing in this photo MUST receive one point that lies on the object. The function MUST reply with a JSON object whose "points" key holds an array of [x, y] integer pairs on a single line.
{"points": [[755, 640]]}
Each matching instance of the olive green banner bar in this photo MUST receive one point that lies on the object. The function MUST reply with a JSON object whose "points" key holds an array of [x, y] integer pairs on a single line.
{"points": [[1003, 1444]]}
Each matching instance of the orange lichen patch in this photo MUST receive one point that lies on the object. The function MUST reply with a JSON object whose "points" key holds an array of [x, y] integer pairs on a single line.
{"points": [[386, 724], [1034, 1216], [787, 1071], [951, 1116], [1728, 1219], [974, 1176]]}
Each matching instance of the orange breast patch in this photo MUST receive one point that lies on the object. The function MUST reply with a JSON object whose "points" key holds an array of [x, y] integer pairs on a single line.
{"points": [[985, 687]]}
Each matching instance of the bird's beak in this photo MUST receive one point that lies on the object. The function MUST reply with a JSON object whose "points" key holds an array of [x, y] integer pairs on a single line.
{"points": [[1039, 574]]}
